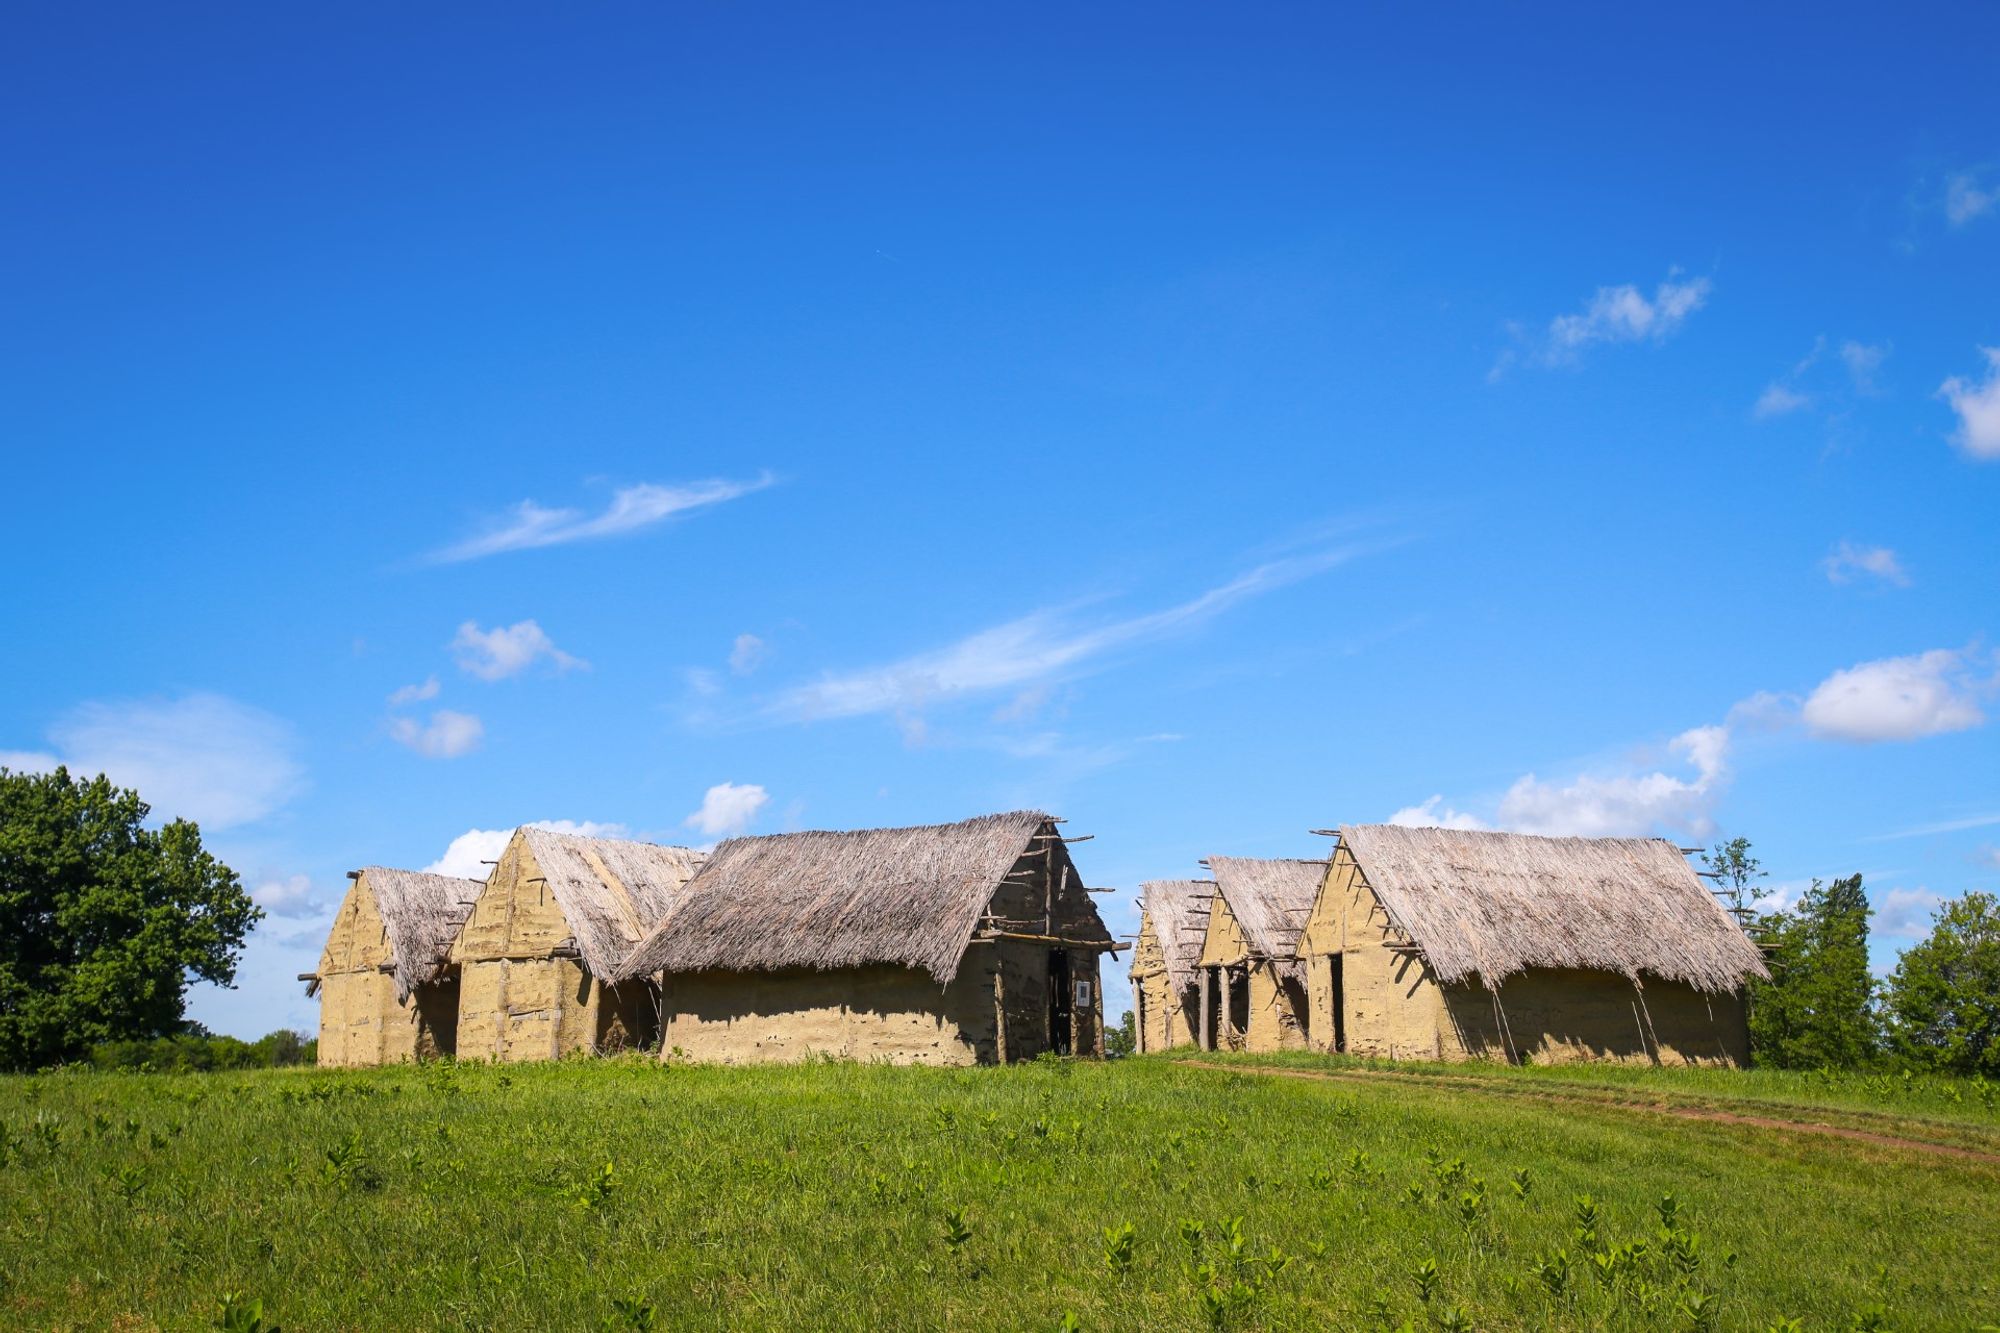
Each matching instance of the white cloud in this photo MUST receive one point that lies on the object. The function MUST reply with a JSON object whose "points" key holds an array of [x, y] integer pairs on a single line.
{"points": [[1895, 699], [529, 525], [1965, 198], [1808, 385], [728, 809], [1905, 914], [291, 896], [747, 654], [1862, 361], [29, 761], [1626, 804], [468, 855], [1621, 314], [507, 650], [1779, 400], [1435, 814], [201, 756], [1850, 561], [1035, 648], [1977, 403], [411, 694], [447, 736], [1988, 856]]}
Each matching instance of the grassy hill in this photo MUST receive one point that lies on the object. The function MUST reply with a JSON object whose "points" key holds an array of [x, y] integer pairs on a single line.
{"points": [[1149, 1193]]}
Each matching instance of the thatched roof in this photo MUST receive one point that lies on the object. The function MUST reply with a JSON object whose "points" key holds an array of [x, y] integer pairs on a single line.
{"points": [[611, 891], [1269, 899], [422, 914], [1492, 904], [1172, 913], [905, 896]]}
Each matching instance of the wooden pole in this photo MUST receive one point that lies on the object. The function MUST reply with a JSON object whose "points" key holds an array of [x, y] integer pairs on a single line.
{"points": [[1205, 1039], [1000, 1011]]}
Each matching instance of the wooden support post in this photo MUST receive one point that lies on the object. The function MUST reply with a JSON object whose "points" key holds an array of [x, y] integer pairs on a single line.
{"points": [[1000, 1011], [1205, 1039]]}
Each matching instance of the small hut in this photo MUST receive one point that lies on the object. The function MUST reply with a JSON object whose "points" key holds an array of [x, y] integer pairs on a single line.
{"points": [[1444, 944], [974, 942], [1165, 961], [540, 951], [1252, 993], [387, 992]]}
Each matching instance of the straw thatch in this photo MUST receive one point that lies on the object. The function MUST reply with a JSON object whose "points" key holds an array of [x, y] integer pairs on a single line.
{"points": [[422, 914], [1269, 899], [1493, 904], [826, 900], [611, 892], [1171, 911]]}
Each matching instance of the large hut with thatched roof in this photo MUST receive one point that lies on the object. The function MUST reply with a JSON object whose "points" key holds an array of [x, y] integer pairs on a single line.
{"points": [[1251, 991], [387, 991], [1165, 962], [955, 944], [1444, 944], [540, 952]]}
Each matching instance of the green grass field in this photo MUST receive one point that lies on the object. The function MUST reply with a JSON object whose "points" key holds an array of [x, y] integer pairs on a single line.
{"points": [[844, 1196]]}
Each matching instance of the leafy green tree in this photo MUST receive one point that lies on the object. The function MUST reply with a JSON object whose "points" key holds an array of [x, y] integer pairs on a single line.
{"points": [[1122, 1039], [1736, 873], [1943, 1001], [105, 920], [1817, 1011]]}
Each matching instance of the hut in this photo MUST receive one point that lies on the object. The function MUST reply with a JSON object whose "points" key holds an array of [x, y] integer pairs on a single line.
{"points": [[387, 992], [1251, 991], [1165, 961], [1444, 944], [541, 948], [954, 944]]}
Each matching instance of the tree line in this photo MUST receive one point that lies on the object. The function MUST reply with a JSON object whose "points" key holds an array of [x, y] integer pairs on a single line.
{"points": [[1824, 1007]]}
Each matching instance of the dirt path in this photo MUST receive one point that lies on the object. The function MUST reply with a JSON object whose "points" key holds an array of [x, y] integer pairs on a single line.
{"points": [[1654, 1107]]}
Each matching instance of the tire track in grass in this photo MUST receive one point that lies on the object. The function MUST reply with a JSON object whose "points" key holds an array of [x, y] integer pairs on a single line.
{"points": [[1656, 1107]]}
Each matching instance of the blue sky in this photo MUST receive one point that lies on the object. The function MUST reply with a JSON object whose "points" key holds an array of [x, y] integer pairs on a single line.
{"points": [[1205, 424]]}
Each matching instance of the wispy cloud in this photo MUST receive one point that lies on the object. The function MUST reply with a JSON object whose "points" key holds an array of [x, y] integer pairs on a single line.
{"points": [[1826, 377], [1038, 647], [529, 525], [415, 694], [1977, 402], [508, 650], [747, 654], [446, 736], [1942, 826], [1851, 562], [1621, 314], [200, 756], [1905, 914], [1967, 196], [1780, 400], [287, 896]]}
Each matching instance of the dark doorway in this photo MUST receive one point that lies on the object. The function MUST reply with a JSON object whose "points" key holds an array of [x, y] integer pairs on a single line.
{"points": [[1059, 1002], [1236, 982], [1338, 988]]}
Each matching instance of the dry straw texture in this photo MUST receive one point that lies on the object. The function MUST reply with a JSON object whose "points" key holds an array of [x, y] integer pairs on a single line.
{"points": [[1270, 900], [422, 914], [905, 896], [611, 892], [1492, 904], [1173, 909]]}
